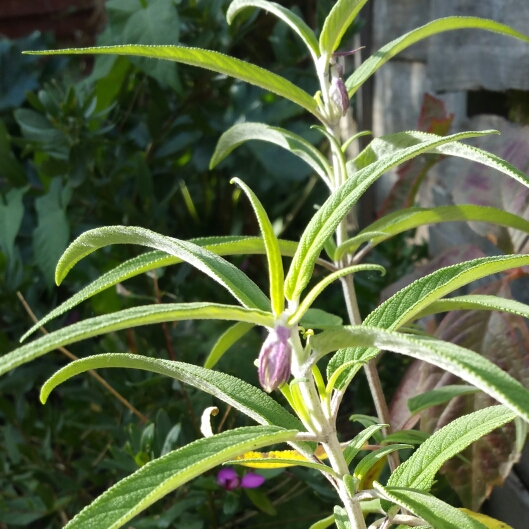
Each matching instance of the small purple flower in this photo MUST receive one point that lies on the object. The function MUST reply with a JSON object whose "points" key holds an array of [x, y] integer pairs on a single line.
{"points": [[228, 479], [274, 359]]}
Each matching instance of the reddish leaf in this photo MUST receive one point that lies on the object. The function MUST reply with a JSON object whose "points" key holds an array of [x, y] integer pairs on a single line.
{"points": [[504, 340], [434, 119]]}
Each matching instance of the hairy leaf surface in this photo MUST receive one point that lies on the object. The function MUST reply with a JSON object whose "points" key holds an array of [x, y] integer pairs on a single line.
{"points": [[119, 504], [210, 60]]}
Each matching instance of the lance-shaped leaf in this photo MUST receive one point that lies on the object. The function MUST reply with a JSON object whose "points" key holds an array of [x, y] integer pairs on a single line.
{"points": [[119, 504], [356, 444], [234, 245], [413, 299], [371, 459], [419, 470], [338, 20], [210, 60], [438, 396], [432, 510], [371, 65], [241, 132], [242, 396], [487, 521], [325, 221], [252, 460], [228, 338], [324, 283], [127, 318], [393, 143], [294, 21], [476, 302], [466, 364], [228, 275], [407, 219], [503, 339], [273, 254]]}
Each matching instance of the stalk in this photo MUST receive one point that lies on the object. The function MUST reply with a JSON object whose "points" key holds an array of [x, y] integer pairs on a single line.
{"points": [[351, 303], [324, 428]]}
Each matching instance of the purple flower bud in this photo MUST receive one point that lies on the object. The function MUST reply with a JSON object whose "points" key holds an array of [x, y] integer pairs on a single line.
{"points": [[228, 479], [338, 95], [274, 359], [252, 480]]}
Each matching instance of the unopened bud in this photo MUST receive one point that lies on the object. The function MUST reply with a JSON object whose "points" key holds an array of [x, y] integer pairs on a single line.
{"points": [[275, 358], [338, 96]]}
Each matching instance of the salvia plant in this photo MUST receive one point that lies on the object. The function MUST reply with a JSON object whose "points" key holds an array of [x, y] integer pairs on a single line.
{"points": [[298, 336]]}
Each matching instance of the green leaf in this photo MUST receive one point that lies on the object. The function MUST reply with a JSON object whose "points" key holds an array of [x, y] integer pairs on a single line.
{"points": [[371, 459], [319, 319], [341, 518], [325, 221], [228, 275], [119, 504], [124, 319], [356, 444], [413, 437], [232, 335], [284, 461], [419, 470], [242, 396], [438, 396], [476, 302], [434, 511], [11, 214], [324, 523], [287, 16], [261, 501], [466, 364], [413, 299], [410, 218], [210, 60], [338, 20], [52, 233], [234, 245], [242, 132], [324, 283], [273, 254], [371, 65]]}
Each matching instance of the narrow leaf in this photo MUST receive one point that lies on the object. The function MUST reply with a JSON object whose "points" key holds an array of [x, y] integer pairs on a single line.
{"points": [[413, 437], [324, 283], [466, 364], [119, 504], [280, 462], [287, 16], [228, 338], [419, 470], [210, 60], [413, 299], [356, 444], [338, 20], [434, 511], [476, 302], [325, 221], [241, 132], [371, 459], [235, 245], [438, 396], [371, 65], [127, 318], [411, 218], [228, 275], [242, 396], [487, 521], [273, 254]]}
